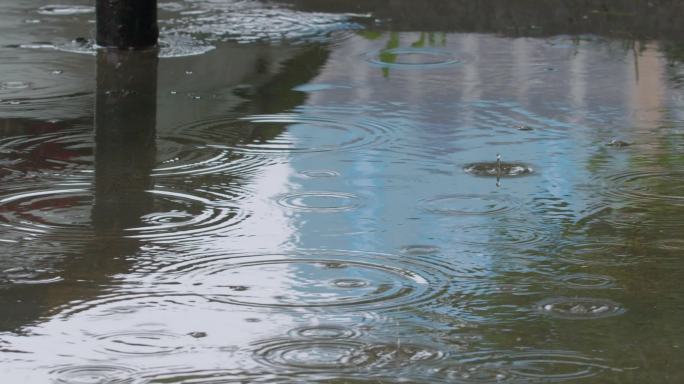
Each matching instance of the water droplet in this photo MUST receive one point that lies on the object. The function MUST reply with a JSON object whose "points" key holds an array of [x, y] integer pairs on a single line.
{"points": [[494, 169]]}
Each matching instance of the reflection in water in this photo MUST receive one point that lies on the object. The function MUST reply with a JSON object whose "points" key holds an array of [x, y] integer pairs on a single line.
{"points": [[125, 117], [309, 212]]}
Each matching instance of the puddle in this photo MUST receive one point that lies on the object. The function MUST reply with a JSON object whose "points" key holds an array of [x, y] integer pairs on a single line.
{"points": [[287, 192]]}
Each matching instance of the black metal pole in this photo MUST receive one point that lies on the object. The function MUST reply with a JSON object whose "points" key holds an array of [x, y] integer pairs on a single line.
{"points": [[127, 23]]}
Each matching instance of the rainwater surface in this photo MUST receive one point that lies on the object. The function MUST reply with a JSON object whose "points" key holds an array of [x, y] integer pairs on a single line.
{"points": [[343, 192]]}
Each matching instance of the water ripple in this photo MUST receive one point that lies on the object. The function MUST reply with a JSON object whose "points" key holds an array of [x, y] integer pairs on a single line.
{"points": [[72, 151], [579, 308], [587, 281], [329, 331], [500, 234], [412, 58], [66, 214], [311, 279], [14, 85], [312, 354], [65, 10], [469, 204], [343, 355], [52, 153], [524, 367], [139, 343], [94, 374], [319, 201], [608, 253], [292, 133], [28, 276], [252, 21], [319, 173], [420, 249], [647, 186]]}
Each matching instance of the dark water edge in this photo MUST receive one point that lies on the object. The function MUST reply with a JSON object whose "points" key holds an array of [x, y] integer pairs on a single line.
{"points": [[344, 192]]}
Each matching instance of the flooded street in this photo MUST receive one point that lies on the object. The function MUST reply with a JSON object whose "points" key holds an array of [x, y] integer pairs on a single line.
{"points": [[343, 192]]}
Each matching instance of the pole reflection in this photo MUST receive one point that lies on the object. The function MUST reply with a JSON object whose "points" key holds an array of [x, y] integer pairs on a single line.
{"points": [[125, 129]]}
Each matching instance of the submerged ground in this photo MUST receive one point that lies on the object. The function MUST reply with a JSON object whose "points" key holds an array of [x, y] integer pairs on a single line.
{"points": [[310, 192]]}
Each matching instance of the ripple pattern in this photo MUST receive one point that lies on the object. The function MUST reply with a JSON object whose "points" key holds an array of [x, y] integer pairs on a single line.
{"points": [[138, 343], [497, 234], [419, 249], [648, 187], [313, 355], [344, 354], [601, 253], [579, 308], [251, 21], [65, 151], [324, 332], [65, 10], [66, 214], [469, 204], [293, 133], [14, 85], [28, 276], [319, 201], [320, 173], [524, 367], [94, 374], [71, 151], [588, 281], [311, 279]]}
